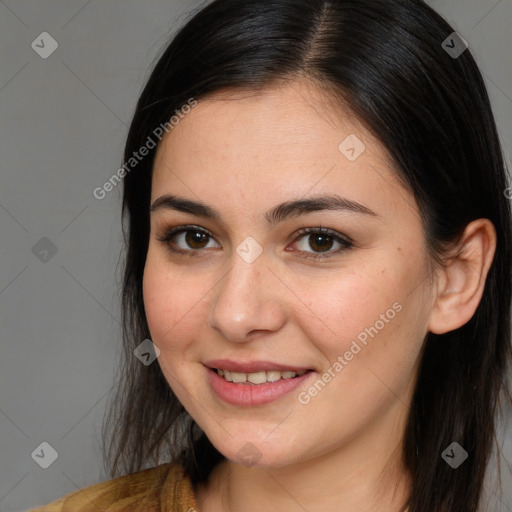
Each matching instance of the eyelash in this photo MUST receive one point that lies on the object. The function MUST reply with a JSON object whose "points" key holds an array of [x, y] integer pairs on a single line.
{"points": [[345, 241]]}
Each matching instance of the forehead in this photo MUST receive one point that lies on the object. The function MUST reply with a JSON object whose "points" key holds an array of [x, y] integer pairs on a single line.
{"points": [[278, 142], [289, 121]]}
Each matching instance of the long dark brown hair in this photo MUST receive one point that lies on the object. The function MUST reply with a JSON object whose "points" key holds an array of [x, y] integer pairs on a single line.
{"points": [[430, 109]]}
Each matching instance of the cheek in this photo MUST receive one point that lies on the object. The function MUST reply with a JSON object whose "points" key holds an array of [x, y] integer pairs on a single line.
{"points": [[370, 334], [369, 319], [165, 300], [158, 301], [338, 310], [171, 312], [175, 304]]}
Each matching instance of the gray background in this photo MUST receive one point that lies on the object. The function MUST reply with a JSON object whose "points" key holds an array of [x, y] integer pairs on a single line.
{"points": [[62, 130]]}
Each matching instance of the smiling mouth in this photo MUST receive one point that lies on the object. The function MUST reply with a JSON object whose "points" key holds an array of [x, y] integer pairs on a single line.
{"points": [[255, 378]]}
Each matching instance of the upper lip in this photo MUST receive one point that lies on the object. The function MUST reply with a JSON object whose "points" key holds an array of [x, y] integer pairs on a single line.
{"points": [[252, 366]]}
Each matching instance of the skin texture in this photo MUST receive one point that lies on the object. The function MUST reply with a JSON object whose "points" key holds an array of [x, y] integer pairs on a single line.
{"points": [[242, 154]]}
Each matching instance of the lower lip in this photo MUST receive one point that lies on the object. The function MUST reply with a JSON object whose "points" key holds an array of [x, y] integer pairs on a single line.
{"points": [[248, 395]]}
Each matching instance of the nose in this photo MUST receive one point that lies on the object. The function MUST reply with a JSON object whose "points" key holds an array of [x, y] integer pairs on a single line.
{"points": [[248, 299]]}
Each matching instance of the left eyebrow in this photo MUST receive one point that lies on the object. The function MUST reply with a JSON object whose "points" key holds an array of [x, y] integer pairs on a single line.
{"points": [[279, 213]]}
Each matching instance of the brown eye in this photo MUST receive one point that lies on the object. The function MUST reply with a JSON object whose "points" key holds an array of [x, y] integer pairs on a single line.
{"points": [[322, 240], [195, 239], [187, 240]]}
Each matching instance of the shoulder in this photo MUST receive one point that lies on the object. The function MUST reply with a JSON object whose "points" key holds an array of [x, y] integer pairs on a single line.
{"points": [[165, 487]]}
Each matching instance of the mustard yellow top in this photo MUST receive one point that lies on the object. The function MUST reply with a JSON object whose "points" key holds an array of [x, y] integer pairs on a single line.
{"points": [[165, 488]]}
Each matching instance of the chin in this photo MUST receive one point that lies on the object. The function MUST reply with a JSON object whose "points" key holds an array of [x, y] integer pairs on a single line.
{"points": [[258, 454]]}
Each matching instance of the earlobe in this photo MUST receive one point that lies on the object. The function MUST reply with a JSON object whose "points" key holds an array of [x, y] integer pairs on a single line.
{"points": [[462, 280]]}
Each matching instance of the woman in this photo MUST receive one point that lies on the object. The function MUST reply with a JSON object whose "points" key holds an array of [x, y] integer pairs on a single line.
{"points": [[318, 267]]}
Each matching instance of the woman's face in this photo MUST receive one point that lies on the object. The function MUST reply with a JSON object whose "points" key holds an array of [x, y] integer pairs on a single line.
{"points": [[247, 289]]}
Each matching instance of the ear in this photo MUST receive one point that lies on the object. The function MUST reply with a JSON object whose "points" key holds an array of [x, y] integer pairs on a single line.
{"points": [[461, 281]]}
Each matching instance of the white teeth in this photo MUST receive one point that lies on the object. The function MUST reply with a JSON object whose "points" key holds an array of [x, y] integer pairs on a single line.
{"points": [[272, 376], [238, 377], [258, 377]]}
